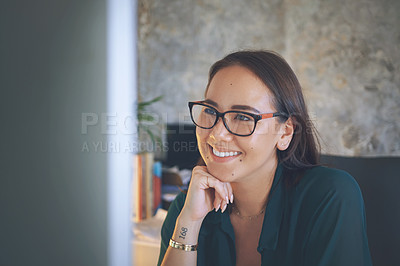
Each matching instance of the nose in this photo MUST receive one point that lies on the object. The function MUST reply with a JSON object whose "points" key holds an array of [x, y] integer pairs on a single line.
{"points": [[219, 132]]}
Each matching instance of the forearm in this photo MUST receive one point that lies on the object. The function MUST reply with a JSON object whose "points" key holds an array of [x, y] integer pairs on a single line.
{"points": [[204, 194], [186, 232]]}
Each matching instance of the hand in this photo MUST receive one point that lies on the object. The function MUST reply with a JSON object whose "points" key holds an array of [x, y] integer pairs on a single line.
{"points": [[205, 194]]}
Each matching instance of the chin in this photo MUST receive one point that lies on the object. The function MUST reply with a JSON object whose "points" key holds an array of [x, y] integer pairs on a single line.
{"points": [[221, 173]]}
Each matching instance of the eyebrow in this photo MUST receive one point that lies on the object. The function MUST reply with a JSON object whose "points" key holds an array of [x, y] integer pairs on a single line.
{"points": [[237, 106]]}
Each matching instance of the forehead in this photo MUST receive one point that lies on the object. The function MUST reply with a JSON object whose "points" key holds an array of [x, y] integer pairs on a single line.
{"points": [[237, 85]]}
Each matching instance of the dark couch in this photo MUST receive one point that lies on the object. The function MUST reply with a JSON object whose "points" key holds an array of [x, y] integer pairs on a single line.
{"points": [[379, 180]]}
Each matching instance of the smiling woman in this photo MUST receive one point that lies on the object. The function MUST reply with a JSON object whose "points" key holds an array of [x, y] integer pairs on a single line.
{"points": [[261, 197]]}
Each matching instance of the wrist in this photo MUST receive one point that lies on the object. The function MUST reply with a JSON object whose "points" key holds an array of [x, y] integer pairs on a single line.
{"points": [[187, 215], [186, 230], [184, 247]]}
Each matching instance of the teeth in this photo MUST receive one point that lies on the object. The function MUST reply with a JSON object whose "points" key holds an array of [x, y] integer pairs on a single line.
{"points": [[224, 154]]}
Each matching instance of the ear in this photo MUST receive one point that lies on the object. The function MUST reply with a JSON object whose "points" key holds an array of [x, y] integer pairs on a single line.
{"points": [[287, 131]]}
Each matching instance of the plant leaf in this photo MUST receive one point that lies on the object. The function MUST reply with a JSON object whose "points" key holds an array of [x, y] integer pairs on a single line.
{"points": [[142, 105]]}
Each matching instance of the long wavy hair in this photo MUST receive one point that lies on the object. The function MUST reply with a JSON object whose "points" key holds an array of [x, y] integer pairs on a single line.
{"points": [[304, 149]]}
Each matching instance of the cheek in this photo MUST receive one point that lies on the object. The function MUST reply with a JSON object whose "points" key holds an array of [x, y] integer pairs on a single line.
{"points": [[201, 135], [261, 145]]}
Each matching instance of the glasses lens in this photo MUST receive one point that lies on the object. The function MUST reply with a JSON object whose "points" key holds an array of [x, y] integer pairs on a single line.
{"points": [[203, 116], [240, 123]]}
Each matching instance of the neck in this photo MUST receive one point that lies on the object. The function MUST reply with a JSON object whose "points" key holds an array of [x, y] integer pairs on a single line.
{"points": [[250, 197]]}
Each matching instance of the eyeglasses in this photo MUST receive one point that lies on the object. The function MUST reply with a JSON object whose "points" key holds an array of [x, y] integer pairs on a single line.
{"points": [[236, 122]]}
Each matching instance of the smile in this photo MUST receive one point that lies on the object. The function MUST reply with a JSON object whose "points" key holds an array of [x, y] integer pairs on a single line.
{"points": [[224, 154]]}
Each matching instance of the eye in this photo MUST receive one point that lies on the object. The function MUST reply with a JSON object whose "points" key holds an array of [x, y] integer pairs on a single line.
{"points": [[242, 117], [209, 111]]}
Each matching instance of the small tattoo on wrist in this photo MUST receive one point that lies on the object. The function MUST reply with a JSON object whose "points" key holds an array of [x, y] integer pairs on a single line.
{"points": [[182, 233]]}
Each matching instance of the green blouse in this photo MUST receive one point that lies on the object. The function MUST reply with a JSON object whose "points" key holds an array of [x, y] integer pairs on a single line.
{"points": [[318, 221]]}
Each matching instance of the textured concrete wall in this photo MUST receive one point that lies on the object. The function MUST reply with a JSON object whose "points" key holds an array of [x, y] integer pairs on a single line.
{"points": [[179, 40], [345, 53], [347, 56]]}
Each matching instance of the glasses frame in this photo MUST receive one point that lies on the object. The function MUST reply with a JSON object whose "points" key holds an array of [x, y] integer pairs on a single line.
{"points": [[257, 117]]}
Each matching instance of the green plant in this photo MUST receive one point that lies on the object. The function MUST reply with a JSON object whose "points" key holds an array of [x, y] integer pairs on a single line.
{"points": [[149, 122]]}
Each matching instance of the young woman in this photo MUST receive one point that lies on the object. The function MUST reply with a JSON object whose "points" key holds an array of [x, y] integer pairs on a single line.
{"points": [[261, 198]]}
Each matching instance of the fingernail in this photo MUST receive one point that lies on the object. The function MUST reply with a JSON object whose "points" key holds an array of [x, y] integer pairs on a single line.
{"points": [[231, 198], [216, 209], [224, 208], [227, 200]]}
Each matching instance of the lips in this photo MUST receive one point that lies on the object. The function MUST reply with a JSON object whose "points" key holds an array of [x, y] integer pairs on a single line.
{"points": [[223, 154]]}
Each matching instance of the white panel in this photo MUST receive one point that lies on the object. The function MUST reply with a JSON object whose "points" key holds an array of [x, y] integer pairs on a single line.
{"points": [[122, 69]]}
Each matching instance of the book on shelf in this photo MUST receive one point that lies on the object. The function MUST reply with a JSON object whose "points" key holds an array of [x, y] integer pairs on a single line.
{"points": [[157, 183], [147, 189]]}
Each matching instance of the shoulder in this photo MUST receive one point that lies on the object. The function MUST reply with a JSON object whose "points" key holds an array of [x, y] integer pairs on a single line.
{"points": [[331, 218], [328, 186], [322, 180]]}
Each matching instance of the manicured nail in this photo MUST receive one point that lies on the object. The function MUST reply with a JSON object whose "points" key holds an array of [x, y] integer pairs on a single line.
{"points": [[224, 208], [227, 200], [231, 198], [216, 209]]}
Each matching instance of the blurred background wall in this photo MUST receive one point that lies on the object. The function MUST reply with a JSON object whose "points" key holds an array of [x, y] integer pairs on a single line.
{"points": [[346, 55]]}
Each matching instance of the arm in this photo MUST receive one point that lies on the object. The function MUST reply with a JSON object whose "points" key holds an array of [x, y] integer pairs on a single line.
{"points": [[204, 194], [185, 232]]}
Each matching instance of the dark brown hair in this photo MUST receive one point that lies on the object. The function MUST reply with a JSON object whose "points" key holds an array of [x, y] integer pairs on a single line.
{"points": [[276, 74]]}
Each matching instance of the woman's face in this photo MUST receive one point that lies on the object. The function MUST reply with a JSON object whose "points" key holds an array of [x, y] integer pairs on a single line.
{"points": [[237, 88]]}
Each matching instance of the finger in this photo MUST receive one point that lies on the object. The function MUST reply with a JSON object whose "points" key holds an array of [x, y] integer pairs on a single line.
{"points": [[219, 187], [217, 202], [230, 192], [203, 176], [224, 199], [227, 193], [229, 197], [221, 193], [220, 203]]}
